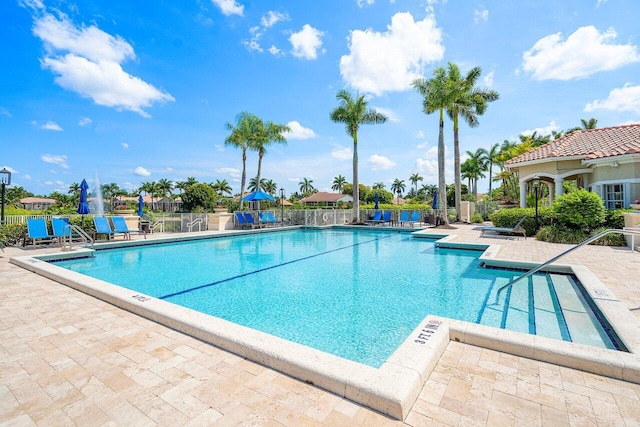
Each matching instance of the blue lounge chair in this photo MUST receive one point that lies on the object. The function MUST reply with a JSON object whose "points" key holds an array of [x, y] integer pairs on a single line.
{"points": [[250, 221], [377, 216], [240, 221], [272, 219], [386, 218], [404, 217], [38, 232], [120, 226], [516, 229], [264, 219], [61, 228], [415, 217], [102, 226]]}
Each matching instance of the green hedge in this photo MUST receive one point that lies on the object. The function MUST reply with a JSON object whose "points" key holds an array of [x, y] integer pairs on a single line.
{"points": [[509, 217]]}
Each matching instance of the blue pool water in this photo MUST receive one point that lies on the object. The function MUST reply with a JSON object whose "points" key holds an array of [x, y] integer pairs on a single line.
{"points": [[355, 294]]}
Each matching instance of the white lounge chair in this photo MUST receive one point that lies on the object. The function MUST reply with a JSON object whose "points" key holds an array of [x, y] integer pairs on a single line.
{"points": [[516, 229]]}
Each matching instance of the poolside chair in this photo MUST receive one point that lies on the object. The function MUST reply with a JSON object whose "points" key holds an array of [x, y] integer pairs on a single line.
{"points": [[516, 229], [61, 229], [250, 221], [102, 226], [38, 232], [404, 217], [377, 216], [120, 226], [415, 217], [265, 220], [273, 220], [386, 218], [240, 221]]}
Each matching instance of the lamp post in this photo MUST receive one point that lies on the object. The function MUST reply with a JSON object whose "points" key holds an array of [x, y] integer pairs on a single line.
{"points": [[536, 186], [282, 206], [5, 179]]}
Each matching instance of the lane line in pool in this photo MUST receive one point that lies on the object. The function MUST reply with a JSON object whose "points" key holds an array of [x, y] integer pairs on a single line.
{"points": [[186, 291]]}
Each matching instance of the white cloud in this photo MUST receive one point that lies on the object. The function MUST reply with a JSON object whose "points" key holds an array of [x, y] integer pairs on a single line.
{"points": [[585, 52], [140, 171], [56, 159], [363, 3], [48, 125], [271, 18], [229, 7], [306, 42], [626, 98], [422, 145], [275, 51], [84, 121], [393, 117], [379, 162], [481, 15], [420, 134], [232, 172], [169, 169], [542, 131], [27, 177], [342, 153], [488, 79], [53, 171], [86, 60], [124, 145], [299, 132], [5, 112], [219, 147], [293, 179], [390, 61]]}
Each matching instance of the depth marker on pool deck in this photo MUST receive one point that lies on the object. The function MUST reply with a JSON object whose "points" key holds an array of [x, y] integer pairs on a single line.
{"points": [[186, 291]]}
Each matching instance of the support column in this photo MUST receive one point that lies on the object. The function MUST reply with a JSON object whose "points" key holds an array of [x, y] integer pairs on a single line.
{"points": [[552, 189], [523, 194], [559, 187]]}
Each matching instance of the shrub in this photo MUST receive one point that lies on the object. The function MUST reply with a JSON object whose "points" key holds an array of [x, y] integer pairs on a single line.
{"points": [[509, 218], [613, 239], [12, 234], [561, 234], [199, 196], [476, 218], [580, 209], [614, 218]]}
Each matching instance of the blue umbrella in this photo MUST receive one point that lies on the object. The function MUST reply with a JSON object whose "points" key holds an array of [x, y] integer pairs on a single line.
{"points": [[256, 196], [140, 205], [435, 201], [376, 199], [83, 206]]}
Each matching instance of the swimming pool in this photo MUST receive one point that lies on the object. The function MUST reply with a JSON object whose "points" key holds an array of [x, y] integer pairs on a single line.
{"points": [[356, 294]]}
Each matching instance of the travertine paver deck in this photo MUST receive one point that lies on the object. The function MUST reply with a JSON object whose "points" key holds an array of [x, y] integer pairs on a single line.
{"points": [[69, 359]]}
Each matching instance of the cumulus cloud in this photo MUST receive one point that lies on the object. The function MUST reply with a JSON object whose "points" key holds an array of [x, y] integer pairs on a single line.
{"points": [[420, 134], [299, 132], [393, 117], [585, 52], [219, 147], [480, 15], [232, 172], [267, 21], [342, 153], [124, 145], [229, 7], [363, 3], [271, 18], [306, 43], [48, 125], [86, 60], [56, 159], [84, 121], [390, 61], [626, 98], [378, 162], [488, 79], [542, 130], [275, 51], [140, 171]]}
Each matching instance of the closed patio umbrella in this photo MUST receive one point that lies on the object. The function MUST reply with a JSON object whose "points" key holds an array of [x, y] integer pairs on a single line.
{"points": [[140, 206], [376, 199], [83, 206]]}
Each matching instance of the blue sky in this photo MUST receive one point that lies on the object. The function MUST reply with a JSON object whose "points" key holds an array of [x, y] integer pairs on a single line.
{"points": [[138, 91]]}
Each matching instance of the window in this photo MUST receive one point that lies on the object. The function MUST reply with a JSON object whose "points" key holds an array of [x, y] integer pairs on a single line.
{"points": [[614, 196]]}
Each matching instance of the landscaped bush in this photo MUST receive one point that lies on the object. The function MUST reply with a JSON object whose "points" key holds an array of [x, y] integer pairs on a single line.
{"points": [[12, 234], [580, 209], [509, 217], [614, 218], [613, 239], [476, 218], [561, 234]]}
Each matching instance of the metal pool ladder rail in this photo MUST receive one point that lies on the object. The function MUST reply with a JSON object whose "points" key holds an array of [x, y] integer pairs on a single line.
{"points": [[595, 237], [68, 233]]}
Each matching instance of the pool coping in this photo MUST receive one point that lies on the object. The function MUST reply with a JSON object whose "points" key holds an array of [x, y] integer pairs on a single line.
{"points": [[394, 387]]}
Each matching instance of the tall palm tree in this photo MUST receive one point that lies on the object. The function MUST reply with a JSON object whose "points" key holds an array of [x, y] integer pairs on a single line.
{"points": [[253, 184], [414, 180], [306, 186], [477, 167], [490, 157], [269, 186], [353, 113], [265, 134], [240, 137], [338, 183], [222, 187], [182, 185], [437, 96], [378, 186], [592, 123], [398, 187], [74, 189], [165, 187], [151, 188], [467, 102]]}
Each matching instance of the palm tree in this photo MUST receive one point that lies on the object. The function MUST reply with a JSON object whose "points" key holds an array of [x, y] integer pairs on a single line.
{"points": [[151, 188], [165, 187], [240, 137], [338, 183], [437, 97], [592, 123], [353, 113], [378, 186], [491, 156], [398, 187], [253, 184], [469, 102], [74, 189], [265, 134], [269, 186], [306, 186], [475, 169], [182, 185], [414, 180], [222, 187]]}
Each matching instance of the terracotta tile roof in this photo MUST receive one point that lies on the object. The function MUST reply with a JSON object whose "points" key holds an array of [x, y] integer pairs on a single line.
{"points": [[322, 196], [588, 144], [27, 200]]}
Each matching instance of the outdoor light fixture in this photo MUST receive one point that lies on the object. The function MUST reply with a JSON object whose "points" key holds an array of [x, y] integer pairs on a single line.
{"points": [[5, 179], [282, 205], [536, 186]]}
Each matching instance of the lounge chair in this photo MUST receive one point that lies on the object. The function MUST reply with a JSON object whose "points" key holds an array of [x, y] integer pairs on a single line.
{"points": [[120, 226], [61, 229], [415, 217], [264, 220], [377, 216], [386, 218], [272, 219], [38, 232], [516, 229], [404, 217], [240, 221], [102, 226], [249, 219]]}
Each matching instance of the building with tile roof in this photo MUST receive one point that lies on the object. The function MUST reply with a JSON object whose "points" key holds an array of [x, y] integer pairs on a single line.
{"points": [[605, 161], [322, 198]]}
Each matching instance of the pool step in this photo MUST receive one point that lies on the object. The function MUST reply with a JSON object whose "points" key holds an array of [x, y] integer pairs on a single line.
{"points": [[547, 305]]}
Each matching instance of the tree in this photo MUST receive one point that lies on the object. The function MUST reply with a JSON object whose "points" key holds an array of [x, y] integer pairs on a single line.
{"points": [[199, 197], [467, 102], [437, 96], [221, 187], [75, 190], [253, 184], [241, 137], [306, 186], [398, 187], [592, 123], [265, 134], [490, 157], [269, 186], [414, 180], [475, 169], [363, 191], [338, 183], [165, 187], [353, 113], [378, 186], [151, 188], [384, 196]]}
